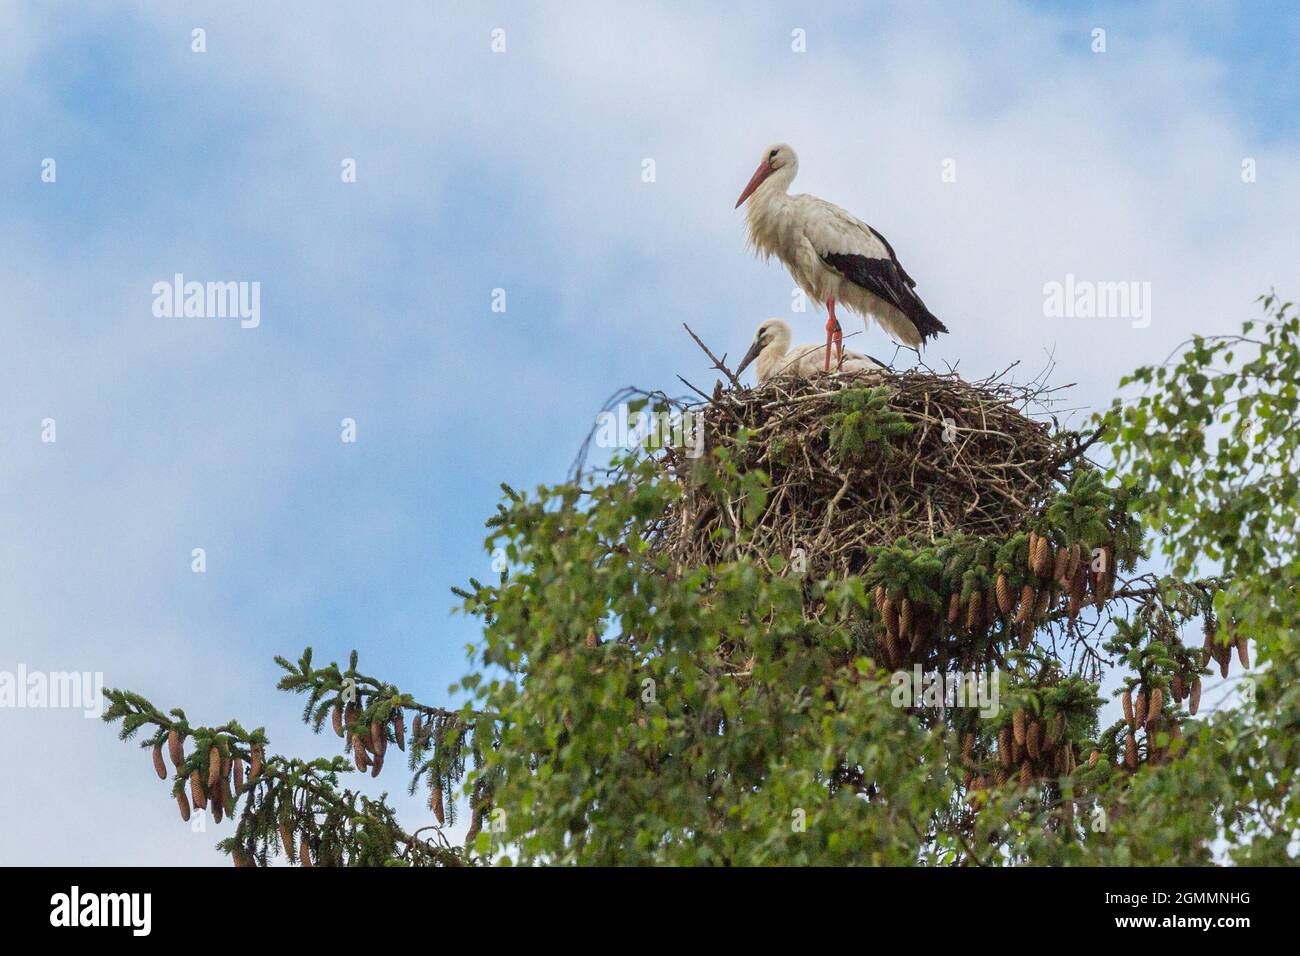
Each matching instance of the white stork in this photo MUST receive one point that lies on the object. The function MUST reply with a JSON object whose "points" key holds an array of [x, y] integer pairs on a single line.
{"points": [[832, 256], [771, 348]]}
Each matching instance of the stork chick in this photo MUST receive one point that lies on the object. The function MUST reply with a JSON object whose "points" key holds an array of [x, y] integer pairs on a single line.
{"points": [[771, 349], [832, 256]]}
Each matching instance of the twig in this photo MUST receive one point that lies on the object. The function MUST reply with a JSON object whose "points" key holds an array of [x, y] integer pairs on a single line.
{"points": [[718, 363]]}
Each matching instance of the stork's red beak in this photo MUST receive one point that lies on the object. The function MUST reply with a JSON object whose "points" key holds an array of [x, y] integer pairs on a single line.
{"points": [[760, 174]]}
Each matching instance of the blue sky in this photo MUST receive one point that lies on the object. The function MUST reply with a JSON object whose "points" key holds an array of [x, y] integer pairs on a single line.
{"points": [[519, 171]]}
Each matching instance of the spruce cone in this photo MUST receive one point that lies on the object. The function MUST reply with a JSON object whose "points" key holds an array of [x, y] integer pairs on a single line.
{"points": [[1004, 747], [255, 764], [197, 795], [1026, 774], [174, 748], [1018, 727], [891, 618], [240, 857], [880, 599], [214, 766], [1076, 559], [351, 714], [1243, 651], [1003, 588], [286, 838], [1131, 751], [1058, 728], [1026, 635], [1031, 553], [954, 609], [399, 729], [1103, 579], [359, 754], [905, 619], [238, 766], [1027, 600], [968, 749], [417, 726], [1224, 656], [975, 612], [159, 767], [1060, 571], [893, 653], [918, 639], [475, 824], [1140, 708], [1194, 702], [1043, 604], [1093, 758], [1176, 688], [378, 738], [1127, 701], [435, 804], [183, 804], [1078, 591], [1032, 737], [1044, 558], [336, 719], [218, 804], [304, 854], [990, 607], [1157, 704], [377, 764]]}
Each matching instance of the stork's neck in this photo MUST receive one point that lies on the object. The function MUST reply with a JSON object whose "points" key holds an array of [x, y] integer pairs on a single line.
{"points": [[765, 211], [772, 359], [773, 190]]}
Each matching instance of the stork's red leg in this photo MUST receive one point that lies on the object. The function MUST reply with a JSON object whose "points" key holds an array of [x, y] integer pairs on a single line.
{"points": [[833, 334]]}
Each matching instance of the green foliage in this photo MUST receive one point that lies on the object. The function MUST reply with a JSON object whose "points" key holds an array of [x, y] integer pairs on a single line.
{"points": [[1095, 514], [909, 572], [1210, 453], [864, 425]]}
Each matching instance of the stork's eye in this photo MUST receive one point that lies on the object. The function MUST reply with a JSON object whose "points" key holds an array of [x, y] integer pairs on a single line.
{"points": [[772, 155]]}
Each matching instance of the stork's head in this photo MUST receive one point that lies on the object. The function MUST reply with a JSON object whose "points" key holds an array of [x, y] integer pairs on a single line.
{"points": [[778, 156], [773, 330]]}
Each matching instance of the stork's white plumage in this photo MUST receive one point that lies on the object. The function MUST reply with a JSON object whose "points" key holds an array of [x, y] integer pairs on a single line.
{"points": [[773, 357], [832, 256]]}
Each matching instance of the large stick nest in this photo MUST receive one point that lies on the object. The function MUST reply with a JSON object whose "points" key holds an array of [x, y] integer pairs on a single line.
{"points": [[859, 461]]}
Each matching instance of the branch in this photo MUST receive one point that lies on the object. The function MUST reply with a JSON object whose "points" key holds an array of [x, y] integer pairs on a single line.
{"points": [[718, 363]]}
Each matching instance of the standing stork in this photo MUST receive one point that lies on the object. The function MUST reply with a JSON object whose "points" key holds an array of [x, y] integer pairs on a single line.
{"points": [[832, 256]]}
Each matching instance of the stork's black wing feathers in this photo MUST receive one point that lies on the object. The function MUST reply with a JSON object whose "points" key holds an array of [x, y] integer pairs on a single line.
{"points": [[886, 279], [894, 256]]}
